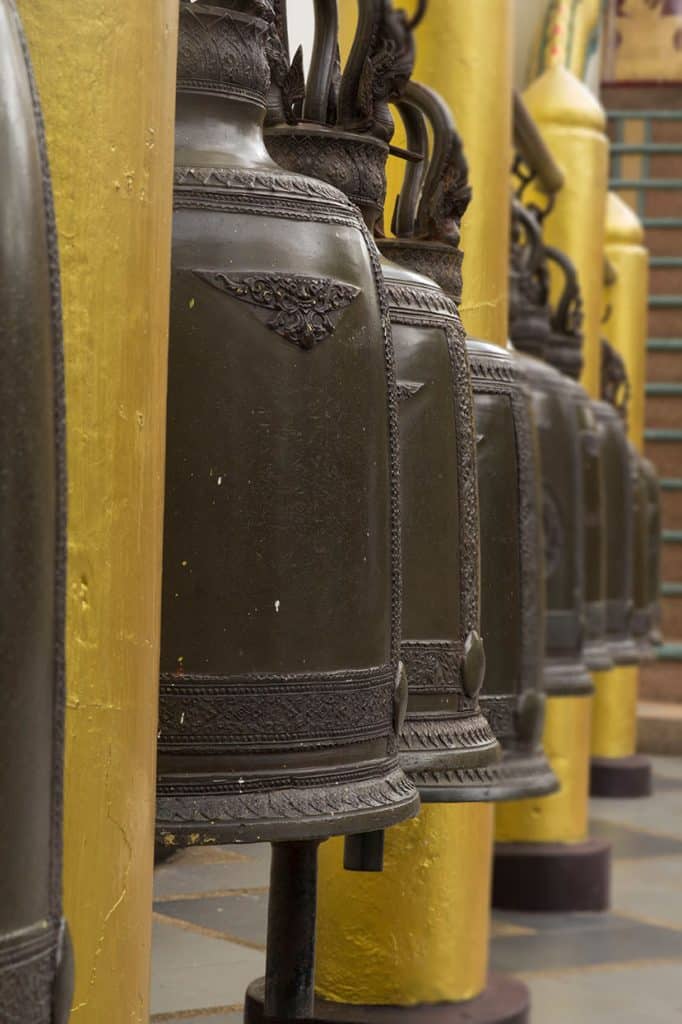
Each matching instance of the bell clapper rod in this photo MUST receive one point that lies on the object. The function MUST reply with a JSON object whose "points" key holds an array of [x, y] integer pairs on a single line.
{"points": [[292, 911], [364, 851]]}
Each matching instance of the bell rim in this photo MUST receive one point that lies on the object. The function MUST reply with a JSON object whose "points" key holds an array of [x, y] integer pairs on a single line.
{"points": [[517, 776], [569, 677]]}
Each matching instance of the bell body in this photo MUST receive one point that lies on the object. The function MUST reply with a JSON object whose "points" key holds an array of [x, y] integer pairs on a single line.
{"points": [[512, 597], [653, 549], [34, 963], [281, 584], [642, 610], [561, 431], [618, 504], [446, 745]]}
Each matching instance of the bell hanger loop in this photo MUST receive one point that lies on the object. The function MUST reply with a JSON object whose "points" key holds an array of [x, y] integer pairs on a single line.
{"points": [[323, 62], [405, 209]]}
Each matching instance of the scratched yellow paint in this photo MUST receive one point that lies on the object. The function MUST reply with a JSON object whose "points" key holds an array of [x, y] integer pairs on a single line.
{"points": [[418, 931], [562, 817], [106, 73]]}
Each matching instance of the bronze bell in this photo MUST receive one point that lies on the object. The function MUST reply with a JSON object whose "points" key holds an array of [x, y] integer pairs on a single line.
{"points": [[281, 686], [426, 224], [641, 606], [618, 498], [653, 550], [446, 745], [560, 421], [564, 352], [35, 952]]}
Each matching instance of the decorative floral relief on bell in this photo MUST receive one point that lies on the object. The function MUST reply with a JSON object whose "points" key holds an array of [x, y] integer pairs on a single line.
{"points": [[427, 226], [446, 745], [36, 971], [560, 422], [280, 674]]}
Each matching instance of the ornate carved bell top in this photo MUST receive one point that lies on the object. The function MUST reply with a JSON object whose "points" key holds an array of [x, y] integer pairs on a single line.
{"points": [[340, 129]]}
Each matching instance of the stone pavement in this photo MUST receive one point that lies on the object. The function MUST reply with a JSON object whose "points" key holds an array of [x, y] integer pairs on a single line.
{"points": [[624, 966]]}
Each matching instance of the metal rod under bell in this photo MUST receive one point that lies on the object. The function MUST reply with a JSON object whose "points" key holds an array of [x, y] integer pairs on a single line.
{"points": [[290, 957], [364, 851]]}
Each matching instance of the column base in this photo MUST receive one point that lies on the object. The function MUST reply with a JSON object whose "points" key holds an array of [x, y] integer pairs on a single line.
{"points": [[554, 877], [505, 1000], [620, 777]]}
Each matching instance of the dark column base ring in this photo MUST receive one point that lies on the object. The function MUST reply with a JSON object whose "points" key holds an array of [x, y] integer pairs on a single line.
{"points": [[620, 777], [505, 1000], [554, 877]]}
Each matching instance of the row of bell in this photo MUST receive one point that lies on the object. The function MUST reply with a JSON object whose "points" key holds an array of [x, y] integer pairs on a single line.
{"points": [[355, 491], [601, 504]]}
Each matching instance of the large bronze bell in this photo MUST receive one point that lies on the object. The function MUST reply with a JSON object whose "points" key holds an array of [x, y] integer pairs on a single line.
{"points": [[564, 352], [446, 745], [618, 498], [653, 550], [35, 956], [281, 691], [641, 608], [426, 224], [563, 433]]}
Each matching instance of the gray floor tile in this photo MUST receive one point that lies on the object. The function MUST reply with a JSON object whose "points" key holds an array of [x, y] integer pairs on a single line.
{"points": [[670, 767], [634, 995], [650, 889], [192, 971], [627, 841], [212, 869], [239, 916], [617, 940], [660, 814]]}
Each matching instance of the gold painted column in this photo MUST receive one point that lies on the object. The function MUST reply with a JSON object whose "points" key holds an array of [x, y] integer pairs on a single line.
{"points": [[553, 829], [418, 932], [614, 727], [106, 75]]}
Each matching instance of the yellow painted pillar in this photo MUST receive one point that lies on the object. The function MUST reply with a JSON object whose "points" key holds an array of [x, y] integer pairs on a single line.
{"points": [[418, 932], [572, 124], [106, 75], [614, 728], [464, 52]]}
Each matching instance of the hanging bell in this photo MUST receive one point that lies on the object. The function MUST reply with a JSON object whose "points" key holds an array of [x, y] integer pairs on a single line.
{"points": [[641, 607], [564, 352], [446, 745], [560, 421], [618, 498], [281, 686], [426, 224], [35, 953], [653, 550]]}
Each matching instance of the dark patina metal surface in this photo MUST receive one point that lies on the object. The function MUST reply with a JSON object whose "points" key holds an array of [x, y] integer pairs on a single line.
{"points": [[35, 955], [510, 556], [560, 422], [620, 508], [280, 675]]}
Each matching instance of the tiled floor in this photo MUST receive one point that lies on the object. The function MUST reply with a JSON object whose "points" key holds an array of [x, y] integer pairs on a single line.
{"points": [[623, 967]]}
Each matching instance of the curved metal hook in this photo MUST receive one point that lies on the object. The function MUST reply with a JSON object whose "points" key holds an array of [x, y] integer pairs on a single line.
{"points": [[418, 14]]}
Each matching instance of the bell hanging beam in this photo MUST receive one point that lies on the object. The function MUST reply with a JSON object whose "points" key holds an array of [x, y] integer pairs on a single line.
{"points": [[107, 82], [616, 769]]}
